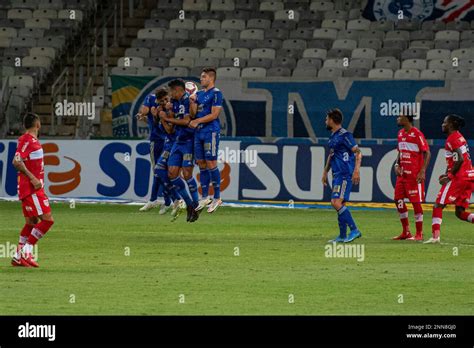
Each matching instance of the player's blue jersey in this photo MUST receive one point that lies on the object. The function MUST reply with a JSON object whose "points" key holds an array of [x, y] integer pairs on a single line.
{"points": [[181, 109], [341, 144], [157, 131], [205, 101]]}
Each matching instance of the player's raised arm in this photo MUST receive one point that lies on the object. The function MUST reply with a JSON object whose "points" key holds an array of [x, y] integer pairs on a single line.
{"points": [[192, 106], [144, 110]]}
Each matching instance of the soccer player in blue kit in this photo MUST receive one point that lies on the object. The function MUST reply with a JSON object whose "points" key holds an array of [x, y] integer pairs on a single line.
{"points": [[157, 141], [205, 108], [344, 160], [181, 155], [161, 168]]}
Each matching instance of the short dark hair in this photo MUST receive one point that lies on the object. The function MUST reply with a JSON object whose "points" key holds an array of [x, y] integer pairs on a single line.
{"points": [[29, 120], [160, 93], [335, 115], [211, 71], [177, 83], [410, 118], [456, 121]]}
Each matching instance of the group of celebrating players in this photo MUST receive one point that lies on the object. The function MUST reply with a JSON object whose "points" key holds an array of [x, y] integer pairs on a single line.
{"points": [[457, 183], [184, 127]]}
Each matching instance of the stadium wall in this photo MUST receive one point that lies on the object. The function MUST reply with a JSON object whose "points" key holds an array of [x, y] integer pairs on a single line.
{"points": [[283, 171], [282, 107]]}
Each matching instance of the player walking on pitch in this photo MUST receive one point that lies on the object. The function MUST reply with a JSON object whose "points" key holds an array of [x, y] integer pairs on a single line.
{"points": [[28, 161], [412, 160], [458, 181], [344, 160], [205, 108]]}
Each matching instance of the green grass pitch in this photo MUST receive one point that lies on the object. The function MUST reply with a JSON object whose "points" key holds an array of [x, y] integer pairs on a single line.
{"points": [[85, 269]]}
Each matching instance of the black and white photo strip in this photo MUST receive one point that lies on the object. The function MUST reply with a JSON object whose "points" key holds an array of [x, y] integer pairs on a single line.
{"points": [[217, 172]]}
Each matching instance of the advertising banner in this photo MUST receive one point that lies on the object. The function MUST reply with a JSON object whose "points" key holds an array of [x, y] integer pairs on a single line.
{"points": [[99, 170]]}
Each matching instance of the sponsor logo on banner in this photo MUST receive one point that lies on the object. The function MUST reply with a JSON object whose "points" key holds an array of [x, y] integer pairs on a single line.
{"points": [[101, 169]]}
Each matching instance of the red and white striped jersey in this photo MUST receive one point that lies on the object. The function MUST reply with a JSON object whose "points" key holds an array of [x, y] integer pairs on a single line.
{"points": [[411, 146], [457, 141], [31, 152]]}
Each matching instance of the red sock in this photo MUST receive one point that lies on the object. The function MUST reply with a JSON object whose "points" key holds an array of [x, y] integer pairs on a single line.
{"points": [[39, 231], [467, 216], [24, 234], [437, 220], [418, 217], [403, 211]]}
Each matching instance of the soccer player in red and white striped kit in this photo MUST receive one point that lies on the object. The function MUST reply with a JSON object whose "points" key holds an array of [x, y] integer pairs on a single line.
{"points": [[28, 161], [458, 181], [410, 167]]}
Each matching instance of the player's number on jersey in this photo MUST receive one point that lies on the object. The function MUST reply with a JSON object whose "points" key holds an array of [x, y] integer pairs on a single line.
{"points": [[181, 109], [345, 156], [455, 157]]}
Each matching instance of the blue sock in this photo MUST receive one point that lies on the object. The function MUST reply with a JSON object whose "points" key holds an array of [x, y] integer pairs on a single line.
{"points": [[155, 188], [346, 216], [342, 226], [192, 185], [172, 193], [216, 182], [205, 179], [181, 188]]}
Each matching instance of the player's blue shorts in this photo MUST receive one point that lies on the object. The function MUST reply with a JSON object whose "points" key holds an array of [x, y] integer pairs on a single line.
{"points": [[206, 145], [162, 162], [182, 154], [156, 148], [341, 187]]}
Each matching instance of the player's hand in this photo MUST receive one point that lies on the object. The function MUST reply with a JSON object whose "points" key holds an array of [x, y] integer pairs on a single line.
{"points": [[168, 106], [443, 179], [154, 111], [398, 170], [192, 98], [356, 177], [163, 114], [36, 183], [193, 123], [139, 116], [325, 179], [421, 176]]}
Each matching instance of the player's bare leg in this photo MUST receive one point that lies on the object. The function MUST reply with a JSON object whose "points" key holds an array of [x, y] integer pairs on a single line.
{"points": [[436, 223], [30, 223], [216, 184], [205, 200]]}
